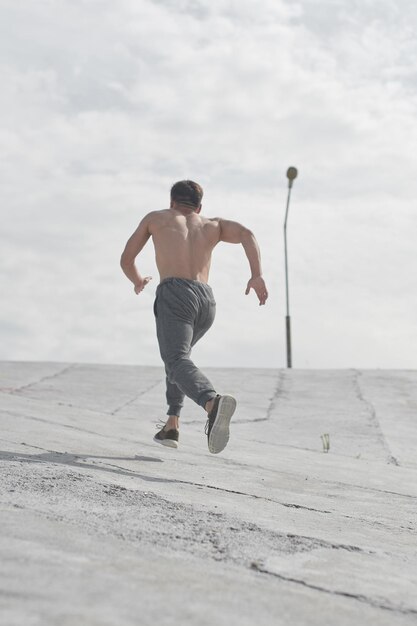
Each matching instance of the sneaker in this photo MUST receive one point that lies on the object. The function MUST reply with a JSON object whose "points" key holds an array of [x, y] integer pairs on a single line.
{"points": [[167, 437], [217, 426]]}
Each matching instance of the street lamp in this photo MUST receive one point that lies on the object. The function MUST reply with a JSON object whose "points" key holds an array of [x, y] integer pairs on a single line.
{"points": [[291, 175]]}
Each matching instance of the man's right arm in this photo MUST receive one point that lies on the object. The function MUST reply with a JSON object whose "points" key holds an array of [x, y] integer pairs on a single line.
{"points": [[134, 245], [233, 232]]}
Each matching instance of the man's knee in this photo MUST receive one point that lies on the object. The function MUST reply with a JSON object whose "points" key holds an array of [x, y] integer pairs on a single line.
{"points": [[175, 367]]}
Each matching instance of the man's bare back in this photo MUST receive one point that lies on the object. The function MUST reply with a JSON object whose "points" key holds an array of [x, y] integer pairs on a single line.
{"points": [[183, 243]]}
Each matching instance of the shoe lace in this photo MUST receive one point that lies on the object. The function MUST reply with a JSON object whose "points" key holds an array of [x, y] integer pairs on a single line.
{"points": [[159, 425]]}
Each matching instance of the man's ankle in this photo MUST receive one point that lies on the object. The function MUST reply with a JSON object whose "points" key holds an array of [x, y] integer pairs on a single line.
{"points": [[172, 423], [209, 405]]}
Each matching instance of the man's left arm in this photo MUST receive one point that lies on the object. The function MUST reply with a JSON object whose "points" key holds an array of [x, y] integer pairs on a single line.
{"points": [[233, 232], [133, 246]]}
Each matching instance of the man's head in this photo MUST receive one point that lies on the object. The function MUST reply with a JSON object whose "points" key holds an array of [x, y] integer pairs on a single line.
{"points": [[187, 193]]}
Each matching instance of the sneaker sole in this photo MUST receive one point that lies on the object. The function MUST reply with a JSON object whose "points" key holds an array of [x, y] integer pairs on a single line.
{"points": [[219, 434], [169, 443]]}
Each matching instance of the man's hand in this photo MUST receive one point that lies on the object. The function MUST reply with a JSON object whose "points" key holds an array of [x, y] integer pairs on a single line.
{"points": [[258, 285], [140, 286]]}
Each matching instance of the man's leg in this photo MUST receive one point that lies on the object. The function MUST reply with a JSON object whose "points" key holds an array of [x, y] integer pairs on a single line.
{"points": [[174, 395], [183, 377], [183, 317], [175, 398], [175, 337], [178, 313], [175, 401]]}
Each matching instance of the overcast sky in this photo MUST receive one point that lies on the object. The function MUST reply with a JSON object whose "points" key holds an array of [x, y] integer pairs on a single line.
{"points": [[104, 105]]}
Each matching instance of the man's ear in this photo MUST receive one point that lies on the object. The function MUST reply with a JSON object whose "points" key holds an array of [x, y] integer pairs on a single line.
{"points": [[198, 209]]}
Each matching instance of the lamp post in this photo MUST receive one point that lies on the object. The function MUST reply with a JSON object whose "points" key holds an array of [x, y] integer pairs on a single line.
{"points": [[291, 175]]}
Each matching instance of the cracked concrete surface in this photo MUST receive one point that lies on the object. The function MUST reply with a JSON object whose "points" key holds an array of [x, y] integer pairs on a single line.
{"points": [[102, 526]]}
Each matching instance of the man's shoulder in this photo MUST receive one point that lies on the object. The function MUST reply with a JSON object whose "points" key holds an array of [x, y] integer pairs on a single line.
{"points": [[211, 220], [155, 215]]}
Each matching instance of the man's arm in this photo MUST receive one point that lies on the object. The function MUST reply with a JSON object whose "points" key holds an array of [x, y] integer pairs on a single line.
{"points": [[134, 245], [233, 232]]}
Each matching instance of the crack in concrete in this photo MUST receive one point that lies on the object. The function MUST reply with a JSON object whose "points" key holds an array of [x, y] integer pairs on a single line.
{"points": [[137, 396], [272, 404], [249, 421], [373, 418], [360, 598], [278, 391], [322, 481], [18, 390], [256, 497], [76, 428], [235, 421]]}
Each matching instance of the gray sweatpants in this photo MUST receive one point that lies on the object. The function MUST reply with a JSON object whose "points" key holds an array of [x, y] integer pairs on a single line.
{"points": [[184, 311]]}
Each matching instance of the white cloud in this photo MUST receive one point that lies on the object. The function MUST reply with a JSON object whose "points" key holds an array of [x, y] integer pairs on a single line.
{"points": [[105, 105]]}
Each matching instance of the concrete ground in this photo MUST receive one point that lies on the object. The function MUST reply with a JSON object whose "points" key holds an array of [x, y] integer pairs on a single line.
{"points": [[101, 526]]}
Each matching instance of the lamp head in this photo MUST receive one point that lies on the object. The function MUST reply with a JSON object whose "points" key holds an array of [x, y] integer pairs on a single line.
{"points": [[291, 175]]}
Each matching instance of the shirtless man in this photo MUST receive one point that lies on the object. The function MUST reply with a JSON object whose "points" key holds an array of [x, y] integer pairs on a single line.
{"points": [[184, 306]]}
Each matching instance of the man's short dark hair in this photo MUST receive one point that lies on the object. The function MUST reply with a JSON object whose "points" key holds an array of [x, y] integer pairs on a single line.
{"points": [[187, 192]]}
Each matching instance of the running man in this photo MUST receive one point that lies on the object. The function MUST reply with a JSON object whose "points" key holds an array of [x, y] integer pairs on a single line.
{"points": [[184, 305]]}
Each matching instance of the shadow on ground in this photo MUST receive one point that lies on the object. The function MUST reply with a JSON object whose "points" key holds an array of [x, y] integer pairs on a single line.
{"points": [[79, 461]]}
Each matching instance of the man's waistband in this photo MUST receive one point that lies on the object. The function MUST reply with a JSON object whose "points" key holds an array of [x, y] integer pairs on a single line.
{"points": [[186, 282]]}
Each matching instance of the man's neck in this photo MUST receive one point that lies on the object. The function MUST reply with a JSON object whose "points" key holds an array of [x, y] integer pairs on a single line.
{"points": [[184, 209]]}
